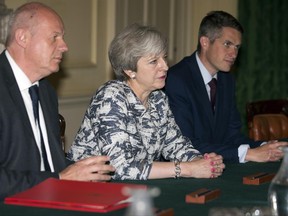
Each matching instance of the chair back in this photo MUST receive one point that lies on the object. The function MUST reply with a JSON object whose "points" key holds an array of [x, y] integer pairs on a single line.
{"points": [[269, 127], [62, 124], [267, 119]]}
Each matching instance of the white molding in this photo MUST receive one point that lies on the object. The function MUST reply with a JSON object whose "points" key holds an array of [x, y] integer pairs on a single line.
{"points": [[171, 47], [74, 100], [73, 59]]}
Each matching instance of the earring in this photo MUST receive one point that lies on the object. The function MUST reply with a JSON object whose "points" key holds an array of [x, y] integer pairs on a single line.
{"points": [[133, 76]]}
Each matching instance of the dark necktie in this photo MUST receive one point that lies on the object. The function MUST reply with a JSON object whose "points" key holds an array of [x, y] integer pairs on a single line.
{"points": [[34, 94], [213, 87]]}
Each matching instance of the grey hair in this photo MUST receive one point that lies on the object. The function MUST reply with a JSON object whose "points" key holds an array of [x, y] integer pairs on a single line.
{"points": [[212, 24], [24, 17], [132, 43]]}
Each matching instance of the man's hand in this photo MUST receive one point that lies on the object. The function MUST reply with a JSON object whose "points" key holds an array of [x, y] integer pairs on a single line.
{"points": [[90, 169], [267, 152]]}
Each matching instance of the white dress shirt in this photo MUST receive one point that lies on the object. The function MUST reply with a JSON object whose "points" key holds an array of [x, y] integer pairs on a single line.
{"points": [[24, 84]]}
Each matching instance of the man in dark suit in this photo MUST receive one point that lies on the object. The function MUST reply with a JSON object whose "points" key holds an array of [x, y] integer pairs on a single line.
{"points": [[214, 128], [35, 46]]}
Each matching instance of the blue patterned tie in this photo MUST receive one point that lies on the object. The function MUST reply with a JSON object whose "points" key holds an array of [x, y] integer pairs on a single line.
{"points": [[34, 94]]}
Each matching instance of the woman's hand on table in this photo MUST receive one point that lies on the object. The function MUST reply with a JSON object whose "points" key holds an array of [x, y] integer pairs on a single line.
{"points": [[210, 166]]}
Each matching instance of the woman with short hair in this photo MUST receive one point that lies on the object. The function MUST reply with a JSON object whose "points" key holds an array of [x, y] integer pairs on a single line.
{"points": [[129, 119]]}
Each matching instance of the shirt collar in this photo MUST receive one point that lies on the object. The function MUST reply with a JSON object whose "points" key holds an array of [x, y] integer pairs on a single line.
{"points": [[21, 78], [204, 72]]}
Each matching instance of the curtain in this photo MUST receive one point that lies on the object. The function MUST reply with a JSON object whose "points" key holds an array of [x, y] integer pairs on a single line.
{"points": [[261, 69]]}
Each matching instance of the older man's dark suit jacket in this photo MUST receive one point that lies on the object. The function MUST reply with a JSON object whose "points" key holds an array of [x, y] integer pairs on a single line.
{"points": [[191, 107], [19, 155]]}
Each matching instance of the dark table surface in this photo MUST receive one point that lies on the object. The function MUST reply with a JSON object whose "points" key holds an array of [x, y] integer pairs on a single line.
{"points": [[173, 191]]}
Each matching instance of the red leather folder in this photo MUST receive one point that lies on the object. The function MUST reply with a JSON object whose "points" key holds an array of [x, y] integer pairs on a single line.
{"points": [[75, 195]]}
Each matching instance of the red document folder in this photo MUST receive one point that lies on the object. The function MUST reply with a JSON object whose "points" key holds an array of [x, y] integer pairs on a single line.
{"points": [[75, 195]]}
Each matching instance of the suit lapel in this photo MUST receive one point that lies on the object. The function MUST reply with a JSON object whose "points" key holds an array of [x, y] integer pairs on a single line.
{"points": [[52, 124], [200, 91], [15, 93], [45, 105]]}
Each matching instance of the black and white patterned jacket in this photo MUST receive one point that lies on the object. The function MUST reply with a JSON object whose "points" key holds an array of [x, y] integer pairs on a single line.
{"points": [[118, 125]]}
